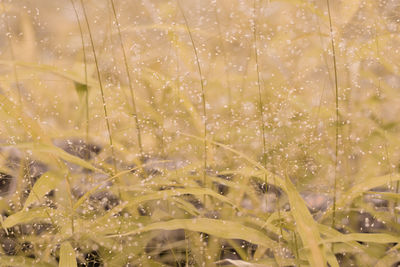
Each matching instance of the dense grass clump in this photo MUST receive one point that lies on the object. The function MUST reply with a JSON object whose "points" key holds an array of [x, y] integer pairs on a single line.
{"points": [[199, 133]]}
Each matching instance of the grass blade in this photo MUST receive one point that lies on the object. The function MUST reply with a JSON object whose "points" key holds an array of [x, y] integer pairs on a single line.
{"points": [[67, 255], [47, 182], [359, 189], [26, 216], [56, 151], [306, 227], [218, 228]]}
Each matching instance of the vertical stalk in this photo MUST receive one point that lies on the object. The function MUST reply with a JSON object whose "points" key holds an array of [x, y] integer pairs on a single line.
{"points": [[131, 90], [202, 93], [260, 102], [87, 110], [396, 203], [203, 100], [70, 198], [86, 79], [336, 113], [101, 88], [296, 247]]}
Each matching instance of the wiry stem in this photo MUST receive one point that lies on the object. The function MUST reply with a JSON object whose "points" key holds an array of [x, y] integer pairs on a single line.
{"points": [[260, 102], [86, 77], [87, 108], [337, 115], [132, 93], [101, 89], [203, 99]]}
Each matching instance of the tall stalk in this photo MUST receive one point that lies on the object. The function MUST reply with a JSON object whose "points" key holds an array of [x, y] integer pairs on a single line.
{"points": [[101, 88], [203, 99], [337, 115], [86, 79], [131, 90], [86, 154], [260, 102]]}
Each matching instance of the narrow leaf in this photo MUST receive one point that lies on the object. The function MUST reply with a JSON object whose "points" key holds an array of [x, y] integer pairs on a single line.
{"points": [[360, 188], [165, 194], [47, 182], [218, 228], [25, 216], [306, 227], [59, 153], [67, 255]]}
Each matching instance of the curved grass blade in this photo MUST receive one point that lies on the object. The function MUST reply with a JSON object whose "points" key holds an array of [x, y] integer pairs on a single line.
{"points": [[306, 227], [165, 194], [47, 182], [20, 261], [360, 188], [26, 216], [69, 75], [218, 228], [361, 237], [331, 233], [59, 153], [277, 180], [95, 188]]}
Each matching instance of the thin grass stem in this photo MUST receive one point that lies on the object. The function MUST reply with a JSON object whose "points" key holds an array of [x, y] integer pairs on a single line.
{"points": [[336, 113], [203, 99], [101, 89], [128, 74], [86, 155], [260, 102]]}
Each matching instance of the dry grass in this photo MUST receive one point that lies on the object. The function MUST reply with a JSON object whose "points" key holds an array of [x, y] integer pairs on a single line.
{"points": [[199, 133]]}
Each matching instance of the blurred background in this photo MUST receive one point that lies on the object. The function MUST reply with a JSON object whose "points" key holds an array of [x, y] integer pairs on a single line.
{"points": [[41, 54]]}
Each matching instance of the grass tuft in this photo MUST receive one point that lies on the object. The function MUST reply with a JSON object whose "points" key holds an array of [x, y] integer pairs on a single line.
{"points": [[208, 141]]}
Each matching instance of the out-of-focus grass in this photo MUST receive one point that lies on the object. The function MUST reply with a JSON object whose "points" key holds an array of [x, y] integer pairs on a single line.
{"points": [[151, 144]]}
